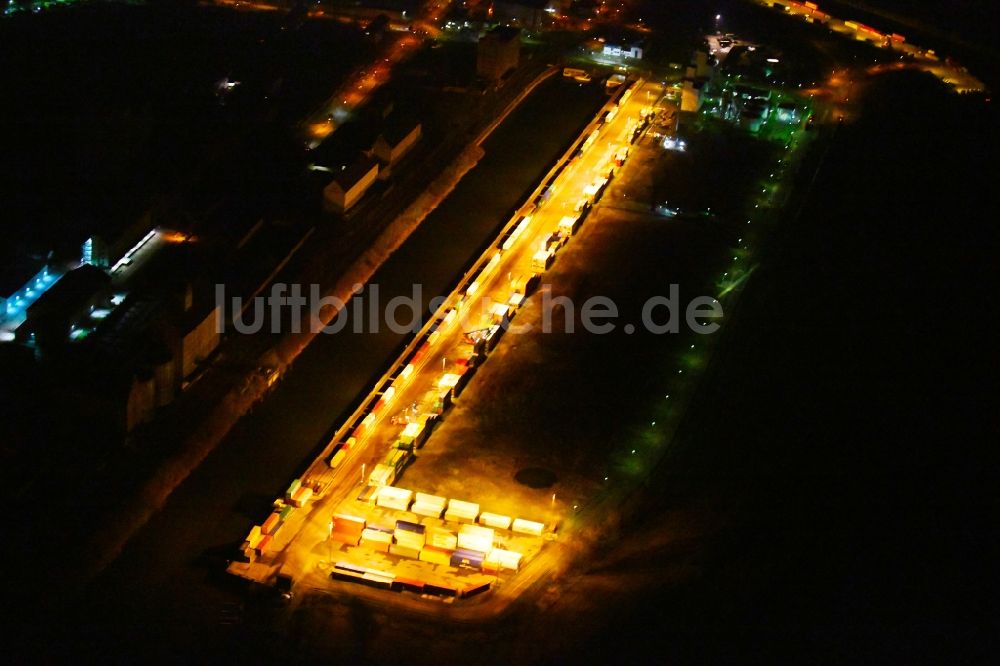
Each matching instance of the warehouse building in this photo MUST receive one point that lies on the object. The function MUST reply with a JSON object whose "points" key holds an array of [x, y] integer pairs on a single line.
{"points": [[398, 136], [57, 313], [350, 184]]}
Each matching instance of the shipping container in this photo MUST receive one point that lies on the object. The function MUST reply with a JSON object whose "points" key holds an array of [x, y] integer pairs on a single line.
{"points": [[424, 498], [346, 538], [394, 498], [501, 313], [522, 526], [263, 544], [531, 284], [473, 537], [522, 224], [337, 458], [348, 576], [417, 355], [553, 242], [430, 421], [272, 523], [429, 505], [462, 511], [448, 380], [407, 526], [380, 581], [621, 156], [393, 458], [569, 225], [469, 559], [505, 559], [427, 510], [256, 534], [493, 337], [348, 524], [295, 485], [368, 493], [444, 400], [376, 540], [442, 538], [495, 520], [347, 566], [381, 476], [463, 381], [409, 535], [387, 396], [435, 555], [542, 260], [413, 434], [301, 496], [410, 541]]}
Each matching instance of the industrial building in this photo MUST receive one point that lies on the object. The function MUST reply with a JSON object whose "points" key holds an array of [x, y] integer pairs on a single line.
{"points": [[622, 50], [398, 136], [350, 184], [498, 52], [55, 316], [138, 359], [22, 281]]}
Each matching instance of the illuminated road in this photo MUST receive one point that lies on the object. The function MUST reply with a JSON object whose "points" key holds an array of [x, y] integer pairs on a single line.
{"points": [[951, 73], [358, 88]]}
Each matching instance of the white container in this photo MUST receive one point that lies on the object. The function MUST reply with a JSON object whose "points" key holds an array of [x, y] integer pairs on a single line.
{"points": [[495, 520], [376, 536], [473, 537], [394, 498], [504, 559], [440, 538], [460, 511], [523, 526]]}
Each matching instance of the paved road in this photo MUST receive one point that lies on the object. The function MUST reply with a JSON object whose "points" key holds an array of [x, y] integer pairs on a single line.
{"points": [[163, 581]]}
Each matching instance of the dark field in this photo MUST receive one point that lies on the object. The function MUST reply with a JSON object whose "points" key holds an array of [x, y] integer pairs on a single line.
{"points": [[112, 108], [833, 495]]}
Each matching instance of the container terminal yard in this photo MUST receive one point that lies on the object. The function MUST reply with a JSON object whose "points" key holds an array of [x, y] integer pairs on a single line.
{"points": [[351, 515]]}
